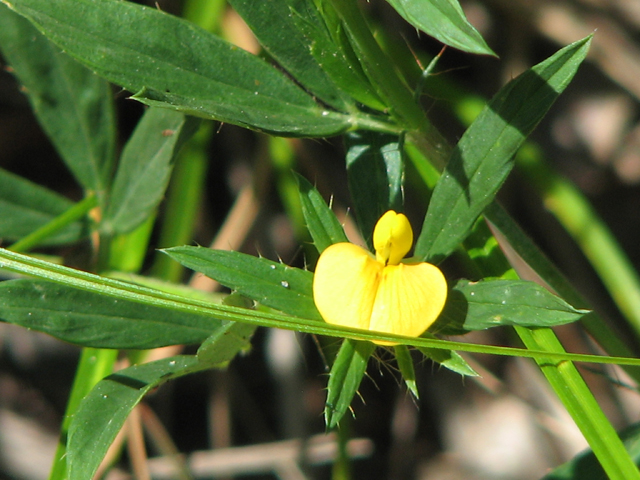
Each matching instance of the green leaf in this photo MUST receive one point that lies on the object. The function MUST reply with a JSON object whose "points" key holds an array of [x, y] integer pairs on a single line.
{"points": [[443, 20], [73, 105], [492, 303], [170, 62], [105, 409], [26, 206], [449, 359], [335, 55], [277, 28], [94, 364], [110, 288], [231, 338], [597, 327], [226, 342], [324, 227], [269, 283], [375, 168], [483, 157], [93, 320], [345, 377], [585, 466], [145, 168], [577, 398], [405, 364]]}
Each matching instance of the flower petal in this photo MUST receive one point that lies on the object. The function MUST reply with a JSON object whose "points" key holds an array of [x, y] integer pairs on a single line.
{"points": [[409, 299], [345, 285], [392, 238]]}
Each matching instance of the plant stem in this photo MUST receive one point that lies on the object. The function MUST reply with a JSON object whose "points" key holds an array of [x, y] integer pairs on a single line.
{"points": [[93, 366], [78, 211], [582, 406], [127, 291], [390, 85], [593, 236], [183, 200]]}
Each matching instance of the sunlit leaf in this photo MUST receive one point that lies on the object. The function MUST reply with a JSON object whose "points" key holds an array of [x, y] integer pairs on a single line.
{"points": [[405, 364], [492, 303], [443, 20], [277, 25], [483, 157], [345, 377], [169, 62], [324, 227], [449, 359], [93, 320], [270, 283]]}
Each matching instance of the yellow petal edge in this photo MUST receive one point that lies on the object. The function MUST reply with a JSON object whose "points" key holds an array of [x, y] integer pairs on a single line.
{"points": [[351, 288]]}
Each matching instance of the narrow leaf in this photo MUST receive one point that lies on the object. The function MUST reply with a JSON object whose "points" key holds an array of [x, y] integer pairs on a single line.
{"points": [[585, 465], [491, 303], [449, 359], [145, 167], [405, 364], [226, 342], [324, 227], [269, 283], [375, 169], [483, 157], [73, 105], [443, 20], [337, 58], [231, 338], [345, 377], [277, 27], [94, 320], [170, 62], [597, 327], [23, 264], [26, 207], [581, 405], [105, 409]]}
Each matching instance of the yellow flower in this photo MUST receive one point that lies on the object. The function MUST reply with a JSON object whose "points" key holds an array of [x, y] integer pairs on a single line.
{"points": [[351, 288]]}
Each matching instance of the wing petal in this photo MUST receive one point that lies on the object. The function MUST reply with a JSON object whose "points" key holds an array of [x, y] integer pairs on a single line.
{"points": [[409, 299], [345, 285]]}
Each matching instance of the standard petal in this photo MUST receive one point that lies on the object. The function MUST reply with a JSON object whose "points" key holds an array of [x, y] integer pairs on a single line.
{"points": [[392, 237], [345, 285], [410, 298]]}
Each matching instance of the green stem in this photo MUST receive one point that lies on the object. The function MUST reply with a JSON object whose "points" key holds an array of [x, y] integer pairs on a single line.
{"points": [[582, 406], [94, 365], [593, 236], [503, 224], [183, 200], [189, 173], [562, 376], [390, 85], [16, 262], [206, 13], [127, 251], [341, 469], [76, 212]]}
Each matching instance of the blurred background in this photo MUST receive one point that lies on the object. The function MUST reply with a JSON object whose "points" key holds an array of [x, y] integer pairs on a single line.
{"points": [[262, 418]]}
